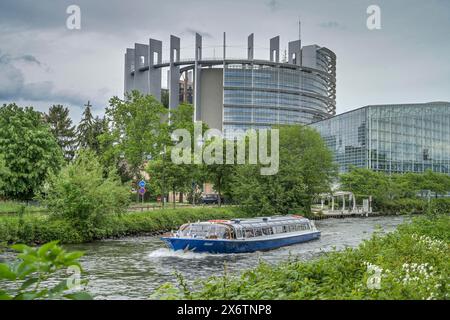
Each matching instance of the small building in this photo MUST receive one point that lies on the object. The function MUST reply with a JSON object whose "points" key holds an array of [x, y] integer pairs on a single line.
{"points": [[394, 138]]}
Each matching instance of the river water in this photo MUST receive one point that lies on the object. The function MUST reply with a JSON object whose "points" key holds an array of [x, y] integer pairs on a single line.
{"points": [[131, 268]]}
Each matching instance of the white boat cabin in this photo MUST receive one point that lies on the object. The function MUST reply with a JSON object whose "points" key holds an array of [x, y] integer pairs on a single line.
{"points": [[246, 228]]}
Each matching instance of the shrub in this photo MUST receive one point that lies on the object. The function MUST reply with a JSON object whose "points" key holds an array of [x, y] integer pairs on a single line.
{"points": [[38, 229], [81, 195]]}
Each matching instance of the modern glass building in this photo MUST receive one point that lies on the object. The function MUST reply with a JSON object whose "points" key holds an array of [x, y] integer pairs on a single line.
{"points": [[241, 93], [257, 95], [391, 138]]}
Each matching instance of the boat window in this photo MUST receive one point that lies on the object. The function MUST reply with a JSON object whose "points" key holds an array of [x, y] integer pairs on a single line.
{"points": [[267, 231], [278, 229], [258, 232], [249, 233], [238, 233]]}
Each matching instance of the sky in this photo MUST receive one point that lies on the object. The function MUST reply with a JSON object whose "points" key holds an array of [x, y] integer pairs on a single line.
{"points": [[42, 62]]}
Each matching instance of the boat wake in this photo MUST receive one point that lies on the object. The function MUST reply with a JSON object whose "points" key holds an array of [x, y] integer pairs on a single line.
{"points": [[168, 253]]}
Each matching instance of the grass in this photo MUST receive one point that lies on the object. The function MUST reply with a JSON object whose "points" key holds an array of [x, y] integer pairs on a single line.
{"points": [[15, 207], [41, 228]]}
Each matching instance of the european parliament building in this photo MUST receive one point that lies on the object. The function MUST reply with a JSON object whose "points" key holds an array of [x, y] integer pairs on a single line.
{"points": [[391, 138], [243, 92]]}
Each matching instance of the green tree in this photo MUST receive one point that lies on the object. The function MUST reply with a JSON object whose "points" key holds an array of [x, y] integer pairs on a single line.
{"points": [[99, 128], [137, 132], [220, 174], [29, 152], [437, 183], [82, 195], [306, 169], [165, 98], [85, 129], [62, 129], [167, 176]]}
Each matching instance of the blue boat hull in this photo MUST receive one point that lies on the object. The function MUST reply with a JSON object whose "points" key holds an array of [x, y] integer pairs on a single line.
{"points": [[237, 246]]}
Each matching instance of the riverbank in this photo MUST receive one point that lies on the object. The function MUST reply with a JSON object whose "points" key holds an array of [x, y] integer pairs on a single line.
{"points": [[409, 263], [40, 228]]}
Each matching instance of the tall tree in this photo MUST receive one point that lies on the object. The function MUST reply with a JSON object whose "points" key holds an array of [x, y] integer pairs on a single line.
{"points": [[166, 176], [306, 169], [85, 130], [62, 129], [99, 128], [28, 152], [137, 130]]}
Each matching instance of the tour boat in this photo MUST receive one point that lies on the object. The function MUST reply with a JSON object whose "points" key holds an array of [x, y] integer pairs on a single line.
{"points": [[242, 235]]}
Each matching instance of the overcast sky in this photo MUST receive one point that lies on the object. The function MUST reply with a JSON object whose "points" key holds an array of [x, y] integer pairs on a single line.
{"points": [[43, 63]]}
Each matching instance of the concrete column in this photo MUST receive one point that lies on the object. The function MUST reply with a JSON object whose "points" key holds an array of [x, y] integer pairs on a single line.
{"points": [[224, 45], [295, 52], [251, 47], [275, 49], [174, 81], [154, 74], [141, 80], [128, 68], [309, 56], [197, 77]]}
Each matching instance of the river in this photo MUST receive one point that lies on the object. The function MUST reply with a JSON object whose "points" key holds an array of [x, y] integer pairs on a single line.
{"points": [[131, 268]]}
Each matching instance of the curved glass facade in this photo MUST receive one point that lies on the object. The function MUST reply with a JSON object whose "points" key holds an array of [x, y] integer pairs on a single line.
{"points": [[261, 95], [391, 138]]}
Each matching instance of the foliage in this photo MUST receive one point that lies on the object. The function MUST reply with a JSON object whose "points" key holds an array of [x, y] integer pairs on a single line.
{"points": [[137, 130], [412, 263], [220, 174], [28, 152], [82, 196], [39, 229], [12, 206], [62, 129], [397, 193], [85, 132], [164, 174], [306, 168], [35, 266]]}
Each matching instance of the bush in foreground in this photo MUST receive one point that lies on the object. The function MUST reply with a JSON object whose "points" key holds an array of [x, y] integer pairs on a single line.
{"points": [[34, 266]]}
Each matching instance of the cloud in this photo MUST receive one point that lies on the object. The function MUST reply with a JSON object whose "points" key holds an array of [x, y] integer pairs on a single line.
{"points": [[194, 31], [273, 5], [29, 58], [331, 25], [13, 86]]}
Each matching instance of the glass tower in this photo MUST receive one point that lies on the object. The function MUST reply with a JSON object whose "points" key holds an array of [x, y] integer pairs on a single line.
{"points": [[391, 138], [258, 95]]}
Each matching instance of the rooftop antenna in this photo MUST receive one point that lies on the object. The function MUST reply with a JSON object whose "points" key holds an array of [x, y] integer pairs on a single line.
{"points": [[299, 29]]}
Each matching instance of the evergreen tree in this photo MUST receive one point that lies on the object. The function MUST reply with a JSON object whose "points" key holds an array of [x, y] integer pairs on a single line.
{"points": [[99, 127], [85, 130], [62, 129]]}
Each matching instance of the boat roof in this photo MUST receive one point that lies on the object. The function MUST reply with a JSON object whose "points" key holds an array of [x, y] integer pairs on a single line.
{"points": [[262, 221]]}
